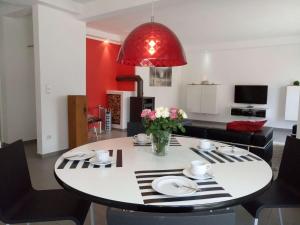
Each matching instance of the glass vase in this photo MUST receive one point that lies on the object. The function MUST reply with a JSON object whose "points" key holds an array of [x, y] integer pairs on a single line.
{"points": [[160, 142]]}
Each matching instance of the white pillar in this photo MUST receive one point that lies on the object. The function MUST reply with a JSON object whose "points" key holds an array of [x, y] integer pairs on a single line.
{"points": [[59, 50]]}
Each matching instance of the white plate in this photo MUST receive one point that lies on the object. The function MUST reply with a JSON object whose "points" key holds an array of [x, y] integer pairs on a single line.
{"points": [[205, 149], [233, 151], [141, 142], [167, 185], [188, 173], [100, 163], [78, 155]]}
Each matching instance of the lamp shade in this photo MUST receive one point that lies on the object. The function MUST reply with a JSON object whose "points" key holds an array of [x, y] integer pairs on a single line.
{"points": [[152, 44]]}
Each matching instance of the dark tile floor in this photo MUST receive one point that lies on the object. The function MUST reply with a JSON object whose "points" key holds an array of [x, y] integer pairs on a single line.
{"points": [[41, 171]]}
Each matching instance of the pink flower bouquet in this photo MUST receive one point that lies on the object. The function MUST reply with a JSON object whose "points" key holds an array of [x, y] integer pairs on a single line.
{"points": [[160, 123]]}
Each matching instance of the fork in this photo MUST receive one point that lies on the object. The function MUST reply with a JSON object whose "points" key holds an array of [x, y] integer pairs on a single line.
{"points": [[182, 185], [112, 163], [222, 146]]}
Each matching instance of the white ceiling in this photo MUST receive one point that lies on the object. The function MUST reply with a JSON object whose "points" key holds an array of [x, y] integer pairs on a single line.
{"points": [[211, 21], [14, 10], [83, 1], [194, 21]]}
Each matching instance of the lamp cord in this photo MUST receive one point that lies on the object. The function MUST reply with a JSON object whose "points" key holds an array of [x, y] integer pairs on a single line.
{"points": [[152, 11]]}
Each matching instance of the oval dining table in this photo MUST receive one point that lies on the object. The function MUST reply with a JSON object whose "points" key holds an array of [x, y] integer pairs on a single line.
{"points": [[126, 183]]}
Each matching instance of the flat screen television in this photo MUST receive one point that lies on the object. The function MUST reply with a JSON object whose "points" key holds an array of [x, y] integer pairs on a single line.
{"points": [[251, 94]]}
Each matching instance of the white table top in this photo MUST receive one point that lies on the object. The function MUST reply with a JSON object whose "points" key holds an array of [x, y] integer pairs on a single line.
{"points": [[235, 179]]}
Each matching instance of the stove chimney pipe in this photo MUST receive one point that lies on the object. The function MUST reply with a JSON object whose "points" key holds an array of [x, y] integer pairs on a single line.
{"points": [[136, 78]]}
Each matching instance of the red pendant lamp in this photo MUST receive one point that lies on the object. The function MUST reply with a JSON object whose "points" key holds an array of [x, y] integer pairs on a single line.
{"points": [[152, 44]]}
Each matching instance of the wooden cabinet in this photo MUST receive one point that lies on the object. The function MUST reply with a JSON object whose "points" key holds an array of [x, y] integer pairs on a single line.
{"points": [[77, 120], [202, 98], [292, 102]]}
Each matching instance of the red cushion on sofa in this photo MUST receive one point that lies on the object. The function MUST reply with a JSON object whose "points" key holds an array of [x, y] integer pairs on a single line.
{"points": [[246, 126]]}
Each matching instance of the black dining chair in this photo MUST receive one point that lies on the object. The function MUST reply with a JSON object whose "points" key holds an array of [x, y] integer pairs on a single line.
{"points": [[20, 203], [285, 190]]}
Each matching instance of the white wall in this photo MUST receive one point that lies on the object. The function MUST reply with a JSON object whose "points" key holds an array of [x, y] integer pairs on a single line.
{"points": [[101, 35], [17, 79], [60, 55], [275, 66], [164, 96], [1, 79]]}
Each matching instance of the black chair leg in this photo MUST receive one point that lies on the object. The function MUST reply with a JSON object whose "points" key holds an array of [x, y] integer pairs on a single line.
{"points": [[280, 216], [92, 214]]}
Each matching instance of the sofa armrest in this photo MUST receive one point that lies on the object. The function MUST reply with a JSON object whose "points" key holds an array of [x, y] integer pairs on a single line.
{"points": [[262, 137]]}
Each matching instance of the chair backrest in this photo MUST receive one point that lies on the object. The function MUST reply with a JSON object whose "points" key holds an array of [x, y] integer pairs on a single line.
{"points": [[289, 170], [14, 175]]}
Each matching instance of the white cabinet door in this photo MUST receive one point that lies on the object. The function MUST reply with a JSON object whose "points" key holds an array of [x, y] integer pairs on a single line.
{"points": [[193, 98], [202, 99], [209, 99], [292, 103]]}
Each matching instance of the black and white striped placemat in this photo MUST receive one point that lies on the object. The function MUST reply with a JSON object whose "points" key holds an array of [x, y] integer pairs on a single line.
{"points": [[208, 189], [217, 157], [173, 142], [85, 164]]}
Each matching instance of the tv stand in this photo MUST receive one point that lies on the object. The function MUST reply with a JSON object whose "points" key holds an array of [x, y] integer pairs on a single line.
{"points": [[248, 111]]}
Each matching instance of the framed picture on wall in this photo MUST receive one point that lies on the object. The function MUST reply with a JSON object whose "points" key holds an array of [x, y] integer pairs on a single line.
{"points": [[160, 76]]}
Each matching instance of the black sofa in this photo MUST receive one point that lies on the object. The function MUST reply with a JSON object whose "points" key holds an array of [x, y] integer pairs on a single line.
{"points": [[259, 143]]}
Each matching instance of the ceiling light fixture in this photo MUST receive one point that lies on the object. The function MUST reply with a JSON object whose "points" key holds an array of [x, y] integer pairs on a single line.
{"points": [[152, 44]]}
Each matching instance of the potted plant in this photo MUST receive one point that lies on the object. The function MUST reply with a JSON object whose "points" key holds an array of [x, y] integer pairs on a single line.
{"points": [[160, 123], [296, 83]]}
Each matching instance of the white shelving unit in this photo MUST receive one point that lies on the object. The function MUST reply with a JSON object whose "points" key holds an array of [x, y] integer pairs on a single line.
{"points": [[203, 98], [292, 103]]}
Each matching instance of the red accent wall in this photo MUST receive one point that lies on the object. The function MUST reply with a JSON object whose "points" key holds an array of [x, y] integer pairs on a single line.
{"points": [[101, 72]]}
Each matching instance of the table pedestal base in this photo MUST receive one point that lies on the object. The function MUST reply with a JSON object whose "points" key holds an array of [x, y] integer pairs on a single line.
{"points": [[215, 217]]}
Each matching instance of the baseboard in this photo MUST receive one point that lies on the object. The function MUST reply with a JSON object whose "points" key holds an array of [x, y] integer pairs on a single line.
{"points": [[60, 152], [278, 143], [33, 141]]}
